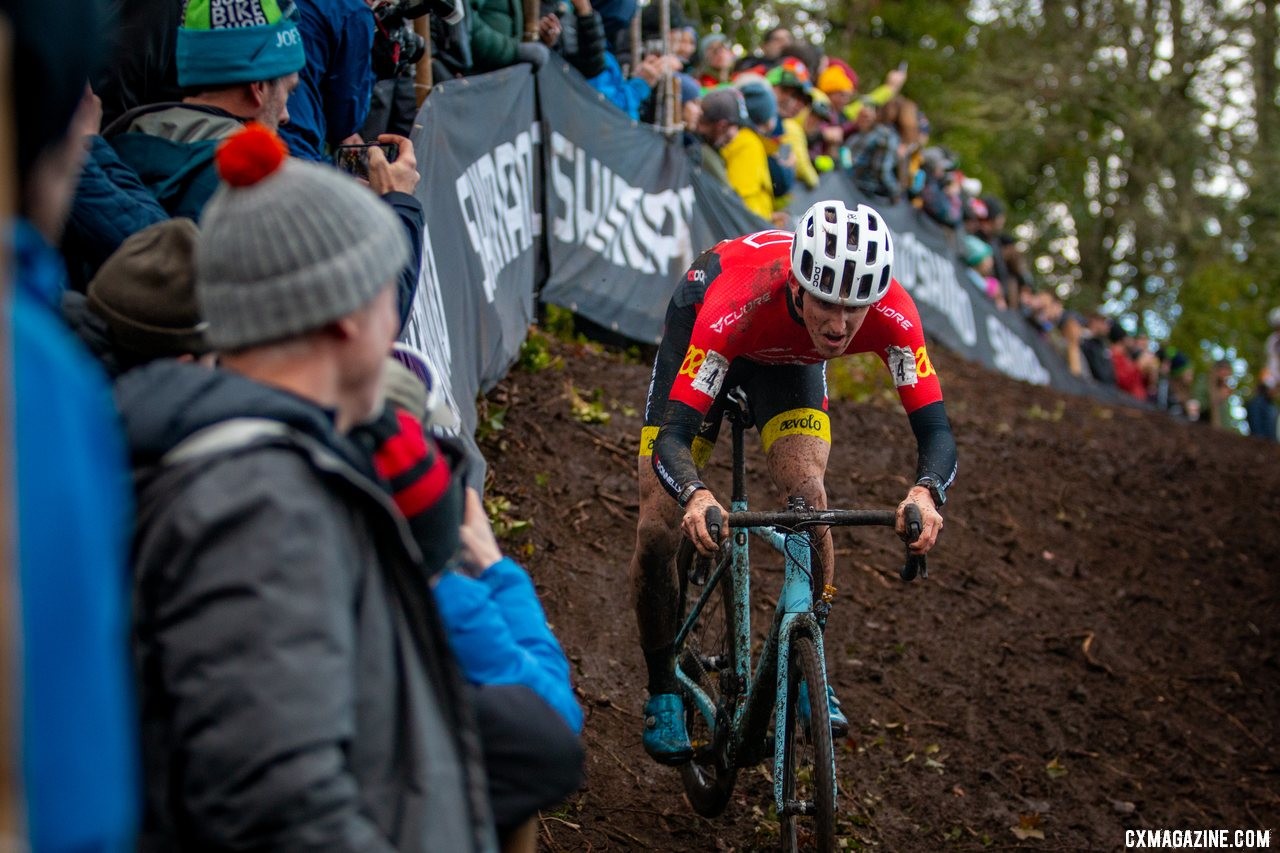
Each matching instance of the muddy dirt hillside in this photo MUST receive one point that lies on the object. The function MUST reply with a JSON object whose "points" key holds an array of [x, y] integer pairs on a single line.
{"points": [[1097, 647]]}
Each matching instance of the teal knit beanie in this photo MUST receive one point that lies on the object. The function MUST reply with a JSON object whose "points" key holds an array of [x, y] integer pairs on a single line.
{"points": [[225, 42]]}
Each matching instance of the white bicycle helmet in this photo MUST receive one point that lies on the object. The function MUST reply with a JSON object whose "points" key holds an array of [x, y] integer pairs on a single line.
{"points": [[843, 256]]}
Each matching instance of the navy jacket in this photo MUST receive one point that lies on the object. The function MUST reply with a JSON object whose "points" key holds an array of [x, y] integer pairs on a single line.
{"points": [[334, 88]]}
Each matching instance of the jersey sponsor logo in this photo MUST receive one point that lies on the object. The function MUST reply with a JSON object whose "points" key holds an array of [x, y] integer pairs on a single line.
{"points": [[902, 364], [796, 422], [924, 367], [693, 358], [734, 316], [894, 315], [772, 237], [648, 435], [700, 276], [711, 374]]}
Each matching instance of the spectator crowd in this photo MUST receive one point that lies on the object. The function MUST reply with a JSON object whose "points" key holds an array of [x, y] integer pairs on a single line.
{"points": [[253, 580]]}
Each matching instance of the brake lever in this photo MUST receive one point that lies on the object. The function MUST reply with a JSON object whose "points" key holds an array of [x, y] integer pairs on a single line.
{"points": [[916, 563]]}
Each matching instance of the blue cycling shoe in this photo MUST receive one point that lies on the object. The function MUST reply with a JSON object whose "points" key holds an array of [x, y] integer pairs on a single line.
{"points": [[839, 722], [665, 738]]}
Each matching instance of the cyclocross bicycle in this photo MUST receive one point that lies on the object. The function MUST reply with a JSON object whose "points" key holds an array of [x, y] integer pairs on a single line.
{"points": [[729, 707]]}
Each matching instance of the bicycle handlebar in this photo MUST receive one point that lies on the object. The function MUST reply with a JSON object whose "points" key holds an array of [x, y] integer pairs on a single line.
{"points": [[796, 519]]}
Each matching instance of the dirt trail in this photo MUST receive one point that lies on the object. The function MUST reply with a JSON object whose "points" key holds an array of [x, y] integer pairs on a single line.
{"points": [[1096, 648]]}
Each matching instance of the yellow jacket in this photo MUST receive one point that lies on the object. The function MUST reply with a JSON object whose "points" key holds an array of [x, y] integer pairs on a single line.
{"points": [[747, 166]]}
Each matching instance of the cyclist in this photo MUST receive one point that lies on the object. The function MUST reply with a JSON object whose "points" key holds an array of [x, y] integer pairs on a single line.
{"points": [[765, 312]]}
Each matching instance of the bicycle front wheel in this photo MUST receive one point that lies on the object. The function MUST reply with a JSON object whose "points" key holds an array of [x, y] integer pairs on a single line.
{"points": [[707, 659], [808, 787]]}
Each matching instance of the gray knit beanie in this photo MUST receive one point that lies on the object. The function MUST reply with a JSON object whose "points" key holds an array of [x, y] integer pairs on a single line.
{"points": [[286, 246]]}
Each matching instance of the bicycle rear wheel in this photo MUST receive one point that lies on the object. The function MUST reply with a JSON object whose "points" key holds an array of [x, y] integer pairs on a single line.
{"points": [[707, 659], [808, 820]]}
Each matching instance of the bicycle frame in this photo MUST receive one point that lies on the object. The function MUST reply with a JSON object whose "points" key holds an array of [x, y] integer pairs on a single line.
{"points": [[767, 689]]}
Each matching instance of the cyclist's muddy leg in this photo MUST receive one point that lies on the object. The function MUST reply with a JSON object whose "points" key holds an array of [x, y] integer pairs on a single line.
{"points": [[654, 587], [798, 464]]}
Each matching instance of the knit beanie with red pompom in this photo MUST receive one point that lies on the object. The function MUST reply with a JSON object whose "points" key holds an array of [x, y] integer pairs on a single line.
{"points": [[287, 247]]}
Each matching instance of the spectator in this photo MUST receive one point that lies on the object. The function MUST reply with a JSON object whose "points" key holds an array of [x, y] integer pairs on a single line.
{"points": [[110, 203], [1128, 375], [989, 225], [913, 135], [528, 715], [770, 53], [75, 738], [762, 108], [717, 61], [1220, 391], [791, 88], [632, 95], [874, 155], [977, 257], [1094, 348], [1260, 411], [288, 648], [581, 40], [723, 113], [816, 122], [684, 44], [745, 157], [616, 16], [497, 27], [142, 303], [331, 102], [941, 199], [142, 68], [237, 74]]}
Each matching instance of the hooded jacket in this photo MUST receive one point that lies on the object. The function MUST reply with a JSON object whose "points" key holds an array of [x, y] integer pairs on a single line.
{"points": [[296, 688]]}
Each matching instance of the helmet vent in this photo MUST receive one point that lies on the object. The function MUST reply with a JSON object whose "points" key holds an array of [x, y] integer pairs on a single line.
{"points": [[828, 281], [873, 224], [849, 277], [829, 214], [853, 235], [830, 244], [872, 249], [806, 265], [864, 286]]}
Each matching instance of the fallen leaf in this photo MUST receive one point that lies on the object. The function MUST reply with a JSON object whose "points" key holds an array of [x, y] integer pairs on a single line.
{"points": [[932, 749], [1055, 769], [1028, 827], [1048, 555], [957, 790], [1123, 806]]}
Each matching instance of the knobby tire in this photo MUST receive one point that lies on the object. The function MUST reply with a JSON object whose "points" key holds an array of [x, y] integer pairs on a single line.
{"points": [[708, 650], [808, 765]]}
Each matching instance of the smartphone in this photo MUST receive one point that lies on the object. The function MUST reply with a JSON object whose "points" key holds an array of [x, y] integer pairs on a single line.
{"points": [[902, 66], [354, 159]]}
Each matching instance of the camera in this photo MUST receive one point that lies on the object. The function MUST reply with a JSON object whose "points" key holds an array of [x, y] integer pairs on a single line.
{"points": [[396, 47]]}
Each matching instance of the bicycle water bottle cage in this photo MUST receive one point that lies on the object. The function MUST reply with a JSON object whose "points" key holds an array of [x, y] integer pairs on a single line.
{"points": [[738, 409]]}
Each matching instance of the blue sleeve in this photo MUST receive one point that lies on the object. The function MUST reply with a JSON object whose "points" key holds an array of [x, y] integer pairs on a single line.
{"points": [[499, 635], [111, 204], [79, 752], [412, 217], [348, 85]]}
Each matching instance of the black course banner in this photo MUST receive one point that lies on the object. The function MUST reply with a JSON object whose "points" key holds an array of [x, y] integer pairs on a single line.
{"points": [[480, 190], [627, 211], [953, 310]]}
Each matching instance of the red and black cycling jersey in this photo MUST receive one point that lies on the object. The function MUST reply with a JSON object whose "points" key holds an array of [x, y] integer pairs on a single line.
{"points": [[740, 294], [734, 310]]}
